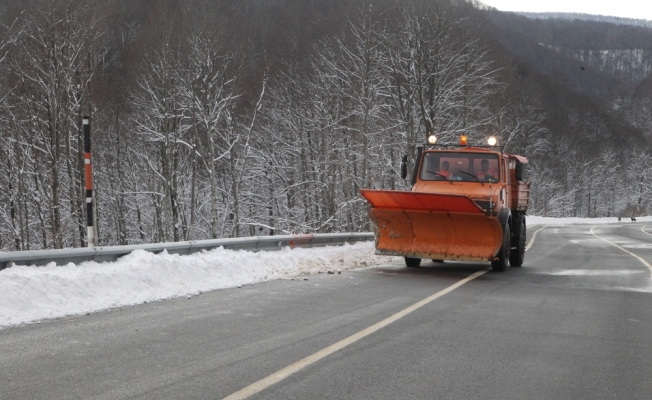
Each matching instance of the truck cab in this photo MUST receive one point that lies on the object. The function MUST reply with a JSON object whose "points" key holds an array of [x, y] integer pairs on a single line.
{"points": [[487, 177]]}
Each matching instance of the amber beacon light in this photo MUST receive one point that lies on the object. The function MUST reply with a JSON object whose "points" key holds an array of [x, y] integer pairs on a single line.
{"points": [[463, 140]]}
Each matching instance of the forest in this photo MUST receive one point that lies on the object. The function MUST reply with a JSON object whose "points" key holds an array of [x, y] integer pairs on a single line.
{"points": [[228, 118]]}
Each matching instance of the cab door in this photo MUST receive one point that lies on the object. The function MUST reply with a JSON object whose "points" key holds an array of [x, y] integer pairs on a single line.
{"points": [[506, 181]]}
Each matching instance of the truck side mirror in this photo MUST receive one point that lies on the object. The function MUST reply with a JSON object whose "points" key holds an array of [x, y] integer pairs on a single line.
{"points": [[519, 171], [417, 160], [404, 167]]}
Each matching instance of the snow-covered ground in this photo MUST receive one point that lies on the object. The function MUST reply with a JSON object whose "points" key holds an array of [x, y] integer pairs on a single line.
{"points": [[29, 294]]}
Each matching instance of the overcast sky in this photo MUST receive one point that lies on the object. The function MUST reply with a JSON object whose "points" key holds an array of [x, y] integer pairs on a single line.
{"points": [[641, 9]]}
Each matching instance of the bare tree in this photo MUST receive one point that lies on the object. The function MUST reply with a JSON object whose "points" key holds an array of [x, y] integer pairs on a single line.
{"points": [[211, 89]]}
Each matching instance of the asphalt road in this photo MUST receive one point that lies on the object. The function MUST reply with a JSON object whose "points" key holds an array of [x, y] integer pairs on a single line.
{"points": [[575, 322]]}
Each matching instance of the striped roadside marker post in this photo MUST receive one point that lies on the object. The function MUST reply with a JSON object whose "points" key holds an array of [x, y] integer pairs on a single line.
{"points": [[90, 231]]}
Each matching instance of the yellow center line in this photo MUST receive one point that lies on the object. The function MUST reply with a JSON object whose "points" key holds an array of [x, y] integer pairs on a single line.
{"points": [[626, 251], [531, 242], [278, 376]]}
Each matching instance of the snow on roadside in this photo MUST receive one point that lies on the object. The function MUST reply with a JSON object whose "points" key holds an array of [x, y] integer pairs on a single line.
{"points": [[29, 294], [534, 220]]}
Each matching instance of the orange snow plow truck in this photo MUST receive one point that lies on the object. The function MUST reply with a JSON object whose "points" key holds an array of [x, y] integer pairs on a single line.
{"points": [[466, 204]]}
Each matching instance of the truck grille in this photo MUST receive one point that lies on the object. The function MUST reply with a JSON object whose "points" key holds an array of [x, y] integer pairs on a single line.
{"points": [[484, 204]]}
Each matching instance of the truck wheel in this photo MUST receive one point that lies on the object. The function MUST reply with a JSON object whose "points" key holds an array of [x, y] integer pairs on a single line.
{"points": [[412, 262], [502, 263], [518, 254]]}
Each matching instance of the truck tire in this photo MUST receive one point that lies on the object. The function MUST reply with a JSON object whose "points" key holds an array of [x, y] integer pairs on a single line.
{"points": [[412, 262], [517, 255], [501, 264]]}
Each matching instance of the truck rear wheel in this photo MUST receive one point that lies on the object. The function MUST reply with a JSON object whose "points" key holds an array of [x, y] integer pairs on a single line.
{"points": [[502, 263], [412, 262], [517, 255]]}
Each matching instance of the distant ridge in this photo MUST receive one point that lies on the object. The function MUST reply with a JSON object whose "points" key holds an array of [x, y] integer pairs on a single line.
{"points": [[480, 5], [588, 17]]}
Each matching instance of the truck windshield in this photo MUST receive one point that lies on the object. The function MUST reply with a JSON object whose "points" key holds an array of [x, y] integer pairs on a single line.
{"points": [[464, 167]]}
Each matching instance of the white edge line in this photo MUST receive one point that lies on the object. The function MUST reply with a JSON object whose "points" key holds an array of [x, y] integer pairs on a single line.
{"points": [[626, 251], [643, 230], [531, 242], [278, 376]]}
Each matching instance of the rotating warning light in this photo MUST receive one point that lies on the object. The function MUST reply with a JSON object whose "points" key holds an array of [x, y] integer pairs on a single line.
{"points": [[432, 139], [492, 141], [463, 140]]}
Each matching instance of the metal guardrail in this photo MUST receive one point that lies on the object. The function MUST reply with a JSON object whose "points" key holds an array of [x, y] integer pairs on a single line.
{"points": [[112, 253]]}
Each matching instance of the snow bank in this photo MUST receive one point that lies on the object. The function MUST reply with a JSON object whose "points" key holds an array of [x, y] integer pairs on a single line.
{"points": [[30, 294]]}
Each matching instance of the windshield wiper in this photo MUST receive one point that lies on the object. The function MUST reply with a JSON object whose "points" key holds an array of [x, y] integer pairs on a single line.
{"points": [[471, 175], [443, 176]]}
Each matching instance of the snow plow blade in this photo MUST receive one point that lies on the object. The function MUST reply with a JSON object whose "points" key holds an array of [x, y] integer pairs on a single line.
{"points": [[435, 226]]}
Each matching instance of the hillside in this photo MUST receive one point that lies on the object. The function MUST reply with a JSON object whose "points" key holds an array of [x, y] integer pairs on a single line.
{"points": [[604, 58], [588, 17], [592, 53]]}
